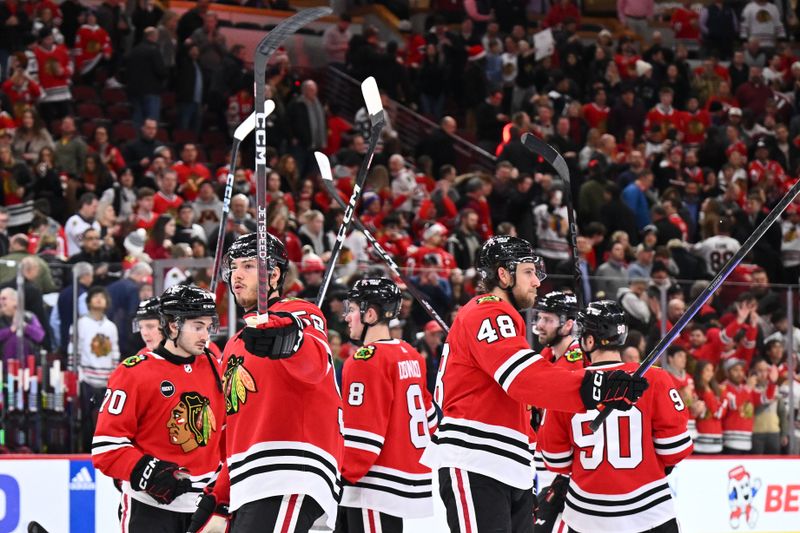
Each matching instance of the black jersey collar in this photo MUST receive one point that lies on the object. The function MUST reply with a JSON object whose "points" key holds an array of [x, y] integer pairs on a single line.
{"points": [[171, 357]]}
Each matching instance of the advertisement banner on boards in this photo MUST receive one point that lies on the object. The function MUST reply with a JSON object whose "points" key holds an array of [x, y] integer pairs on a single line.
{"points": [[726, 494]]}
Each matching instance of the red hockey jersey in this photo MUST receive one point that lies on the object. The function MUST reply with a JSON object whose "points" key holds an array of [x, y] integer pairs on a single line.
{"points": [[440, 259], [757, 171], [488, 376], [665, 119], [23, 96], [55, 71], [91, 44], [618, 482], [283, 434], [737, 424], [387, 418], [596, 116], [165, 406], [695, 126], [190, 177], [709, 424]]}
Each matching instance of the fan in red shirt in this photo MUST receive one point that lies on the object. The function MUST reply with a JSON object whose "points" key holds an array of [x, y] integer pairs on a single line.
{"points": [[92, 44], [759, 169], [685, 22], [431, 253], [596, 113], [663, 114], [190, 172], [695, 122], [476, 200], [23, 92], [724, 97], [394, 239], [626, 61], [561, 11], [55, 69], [165, 199]]}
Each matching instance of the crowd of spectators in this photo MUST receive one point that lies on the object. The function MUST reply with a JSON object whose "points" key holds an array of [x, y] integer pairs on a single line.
{"points": [[674, 161]]}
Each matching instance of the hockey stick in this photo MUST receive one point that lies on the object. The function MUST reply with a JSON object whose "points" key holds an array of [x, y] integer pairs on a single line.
{"points": [[327, 181], [703, 297], [556, 160], [372, 97], [36, 527], [241, 132], [265, 49]]}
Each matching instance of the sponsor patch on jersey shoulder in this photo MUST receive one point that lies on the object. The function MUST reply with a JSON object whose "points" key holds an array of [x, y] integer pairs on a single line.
{"points": [[574, 356], [364, 353], [489, 298], [134, 360], [291, 299]]}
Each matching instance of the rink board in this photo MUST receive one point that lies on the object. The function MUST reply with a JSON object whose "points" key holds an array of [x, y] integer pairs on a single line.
{"points": [[66, 495]]}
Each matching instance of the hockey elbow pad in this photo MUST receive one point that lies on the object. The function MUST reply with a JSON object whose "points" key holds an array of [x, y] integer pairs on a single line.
{"points": [[162, 480], [616, 389], [210, 517], [278, 337]]}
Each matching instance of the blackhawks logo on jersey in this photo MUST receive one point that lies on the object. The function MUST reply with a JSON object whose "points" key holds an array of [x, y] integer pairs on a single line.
{"points": [[489, 298], [237, 382], [191, 422], [364, 353], [134, 360], [574, 356]]}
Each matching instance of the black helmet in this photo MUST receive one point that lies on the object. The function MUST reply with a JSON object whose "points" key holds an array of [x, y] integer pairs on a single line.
{"points": [[605, 321], [247, 246], [506, 251], [148, 309], [381, 293], [186, 301], [563, 304]]}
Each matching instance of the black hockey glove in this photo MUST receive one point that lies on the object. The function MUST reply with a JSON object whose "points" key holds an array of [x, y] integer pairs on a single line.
{"points": [[210, 517], [549, 504], [616, 389], [162, 480], [279, 337]]}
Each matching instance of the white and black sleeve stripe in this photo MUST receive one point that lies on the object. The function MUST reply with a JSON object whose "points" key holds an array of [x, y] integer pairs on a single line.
{"points": [[103, 444], [557, 459], [514, 365], [672, 445], [363, 440]]}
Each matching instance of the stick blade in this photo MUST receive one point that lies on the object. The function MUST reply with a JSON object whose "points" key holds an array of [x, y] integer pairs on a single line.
{"points": [[324, 166], [550, 154], [244, 129], [35, 527], [372, 96]]}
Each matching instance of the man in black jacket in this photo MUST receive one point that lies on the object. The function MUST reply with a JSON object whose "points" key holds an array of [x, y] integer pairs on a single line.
{"points": [[145, 77], [138, 154], [439, 145], [627, 113], [465, 242], [189, 89], [15, 28], [766, 252]]}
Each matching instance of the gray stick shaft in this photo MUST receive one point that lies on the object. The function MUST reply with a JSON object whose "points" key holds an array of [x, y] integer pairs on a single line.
{"points": [[387, 258], [378, 122], [226, 207]]}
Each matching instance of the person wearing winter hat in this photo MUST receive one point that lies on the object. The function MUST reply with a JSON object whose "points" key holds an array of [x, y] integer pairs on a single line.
{"points": [[431, 255], [312, 268]]}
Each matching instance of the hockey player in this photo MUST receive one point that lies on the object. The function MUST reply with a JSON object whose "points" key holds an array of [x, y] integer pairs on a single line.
{"points": [[555, 317], [147, 323], [283, 439], [618, 481], [387, 415], [159, 424], [487, 376]]}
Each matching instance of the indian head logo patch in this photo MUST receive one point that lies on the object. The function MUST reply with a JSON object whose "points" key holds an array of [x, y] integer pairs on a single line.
{"points": [[237, 383], [191, 422]]}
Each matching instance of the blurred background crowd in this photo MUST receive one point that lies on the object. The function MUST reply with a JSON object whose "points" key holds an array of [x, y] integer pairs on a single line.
{"points": [[115, 128]]}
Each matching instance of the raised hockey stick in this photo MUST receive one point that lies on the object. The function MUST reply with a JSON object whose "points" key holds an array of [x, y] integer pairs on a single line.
{"points": [[241, 132], [372, 97], [265, 49], [703, 297], [327, 181], [556, 160]]}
